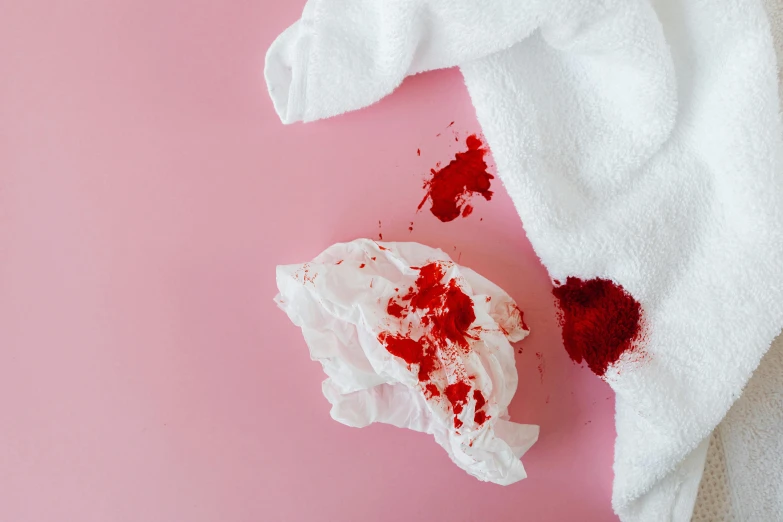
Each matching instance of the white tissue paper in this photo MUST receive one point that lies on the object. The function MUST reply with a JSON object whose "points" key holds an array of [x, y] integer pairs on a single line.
{"points": [[410, 338]]}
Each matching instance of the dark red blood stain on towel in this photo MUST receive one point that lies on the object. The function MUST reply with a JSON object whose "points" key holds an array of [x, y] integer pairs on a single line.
{"points": [[480, 417], [450, 187], [600, 321]]}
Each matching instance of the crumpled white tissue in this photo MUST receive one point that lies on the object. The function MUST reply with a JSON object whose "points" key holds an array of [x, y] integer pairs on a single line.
{"points": [[342, 301]]}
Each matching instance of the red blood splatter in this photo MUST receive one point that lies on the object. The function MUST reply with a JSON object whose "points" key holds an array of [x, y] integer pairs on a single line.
{"points": [[418, 152], [412, 352], [448, 314], [410, 228], [457, 394], [488, 298], [450, 310], [540, 357], [480, 400], [340, 261], [380, 236], [600, 321], [362, 265], [382, 247], [521, 314], [394, 309], [450, 124], [450, 187], [373, 258], [480, 417], [457, 423], [432, 389]]}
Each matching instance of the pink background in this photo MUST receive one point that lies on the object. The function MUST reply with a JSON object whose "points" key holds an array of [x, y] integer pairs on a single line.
{"points": [[147, 191]]}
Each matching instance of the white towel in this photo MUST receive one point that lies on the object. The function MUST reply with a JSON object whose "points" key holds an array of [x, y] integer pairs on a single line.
{"points": [[640, 142], [743, 475]]}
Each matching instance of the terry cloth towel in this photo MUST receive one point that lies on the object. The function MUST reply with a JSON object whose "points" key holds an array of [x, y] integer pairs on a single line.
{"points": [[640, 142], [743, 475]]}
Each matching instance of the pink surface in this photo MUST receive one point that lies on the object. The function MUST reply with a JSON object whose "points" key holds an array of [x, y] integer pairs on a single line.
{"points": [[147, 192]]}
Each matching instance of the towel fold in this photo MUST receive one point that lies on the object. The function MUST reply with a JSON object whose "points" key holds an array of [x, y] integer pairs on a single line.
{"points": [[641, 144]]}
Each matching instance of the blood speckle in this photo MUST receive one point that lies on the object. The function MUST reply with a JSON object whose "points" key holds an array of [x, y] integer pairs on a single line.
{"points": [[480, 400], [520, 315], [467, 210], [457, 394], [600, 321], [488, 298], [450, 187], [373, 258], [418, 152], [362, 265], [339, 262], [410, 228], [394, 309], [447, 314], [480, 417], [540, 357]]}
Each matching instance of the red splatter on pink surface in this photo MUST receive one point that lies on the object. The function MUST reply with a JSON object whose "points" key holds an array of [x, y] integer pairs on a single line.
{"points": [[362, 265], [540, 357], [450, 187]]}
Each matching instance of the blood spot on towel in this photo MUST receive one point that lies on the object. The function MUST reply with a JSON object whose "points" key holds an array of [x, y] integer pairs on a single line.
{"points": [[450, 187], [362, 265], [601, 321]]}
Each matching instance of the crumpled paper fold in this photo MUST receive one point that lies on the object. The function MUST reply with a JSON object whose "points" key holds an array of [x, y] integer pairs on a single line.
{"points": [[408, 337]]}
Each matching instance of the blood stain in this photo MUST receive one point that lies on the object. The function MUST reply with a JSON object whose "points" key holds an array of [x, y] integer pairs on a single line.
{"points": [[450, 188], [600, 320]]}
